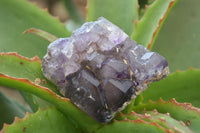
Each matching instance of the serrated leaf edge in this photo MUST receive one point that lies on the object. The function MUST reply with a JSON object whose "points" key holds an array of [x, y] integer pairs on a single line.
{"points": [[63, 104], [17, 119], [186, 106], [35, 58], [154, 119], [160, 23], [26, 81], [138, 121]]}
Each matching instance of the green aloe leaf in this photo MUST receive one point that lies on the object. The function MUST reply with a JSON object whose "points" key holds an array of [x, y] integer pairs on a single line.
{"points": [[9, 109], [20, 15], [17, 66], [148, 26], [164, 120], [183, 86], [132, 126], [178, 125], [43, 121], [43, 34], [23, 79], [122, 13], [143, 5], [63, 104], [31, 100], [179, 38], [180, 111]]}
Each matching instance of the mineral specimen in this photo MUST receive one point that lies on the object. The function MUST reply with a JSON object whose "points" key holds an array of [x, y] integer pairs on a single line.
{"points": [[100, 69]]}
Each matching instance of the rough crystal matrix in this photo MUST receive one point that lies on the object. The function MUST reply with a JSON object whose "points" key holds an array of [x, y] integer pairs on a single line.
{"points": [[101, 69]]}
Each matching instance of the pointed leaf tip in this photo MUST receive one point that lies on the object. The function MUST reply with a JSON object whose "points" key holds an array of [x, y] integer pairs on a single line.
{"points": [[43, 34], [148, 27], [21, 15]]}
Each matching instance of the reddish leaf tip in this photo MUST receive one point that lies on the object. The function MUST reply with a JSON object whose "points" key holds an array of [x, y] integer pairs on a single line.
{"points": [[57, 17], [138, 7], [4, 126], [46, 9], [28, 31], [86, 9], [43, 34], [35, 3], [65, 23], [136, 22], [155, 111], [147, 115], [120, 114], [146, 7], [191, 68], [132, 112]]}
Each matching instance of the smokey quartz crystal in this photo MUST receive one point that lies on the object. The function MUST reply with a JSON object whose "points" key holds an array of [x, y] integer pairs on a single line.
{"points": [[100, 69]]}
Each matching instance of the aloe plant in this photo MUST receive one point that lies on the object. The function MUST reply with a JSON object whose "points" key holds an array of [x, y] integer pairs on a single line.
{"points": [[155, 110]]}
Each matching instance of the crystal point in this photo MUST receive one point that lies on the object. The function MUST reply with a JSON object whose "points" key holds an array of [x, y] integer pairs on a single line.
{"points": [[101, 69]]}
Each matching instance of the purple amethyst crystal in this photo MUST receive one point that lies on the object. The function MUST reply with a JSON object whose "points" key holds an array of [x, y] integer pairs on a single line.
{"points": [[101, 69]]}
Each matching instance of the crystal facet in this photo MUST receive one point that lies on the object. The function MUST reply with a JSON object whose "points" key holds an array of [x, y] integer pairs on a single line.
{"points": [[100, 69]]}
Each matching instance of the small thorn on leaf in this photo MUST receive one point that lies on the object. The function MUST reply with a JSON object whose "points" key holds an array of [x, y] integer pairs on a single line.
{"points": [[147, 115], [136, 23], [125, 118], [57, 17], [191, 68], [46, 9], [146, 6], [168, 114], [86, 9], [35, 3], [162, 118], [138, 6], [188, 104]]}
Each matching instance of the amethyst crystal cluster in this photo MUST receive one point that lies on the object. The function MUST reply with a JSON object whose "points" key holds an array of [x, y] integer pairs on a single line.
{"points": [[101, 69]]}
